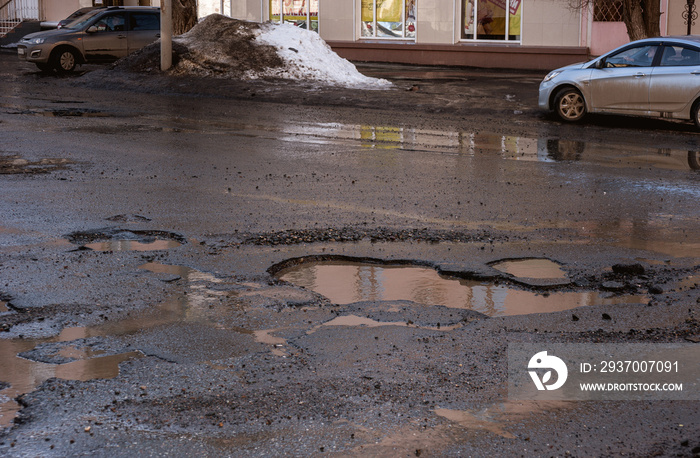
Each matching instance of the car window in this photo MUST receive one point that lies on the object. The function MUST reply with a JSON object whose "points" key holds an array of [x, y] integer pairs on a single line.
{"points": [[640, 56], [145, 21], [111, 23], [80, 12], [680, 56], [81, 21]]}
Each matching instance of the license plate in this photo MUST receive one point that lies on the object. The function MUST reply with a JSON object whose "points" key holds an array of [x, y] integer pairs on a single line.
{"points": [[21, 52]]}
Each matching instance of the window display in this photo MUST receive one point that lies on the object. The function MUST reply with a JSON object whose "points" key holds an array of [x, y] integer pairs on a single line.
{"points": [[489, 19], [301, 13], [389, 19]]}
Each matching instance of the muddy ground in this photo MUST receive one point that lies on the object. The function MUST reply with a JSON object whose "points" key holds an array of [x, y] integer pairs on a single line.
{"points": [[143, 216]]}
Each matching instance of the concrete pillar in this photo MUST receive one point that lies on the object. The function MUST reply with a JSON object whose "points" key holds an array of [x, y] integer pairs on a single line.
{"points": [[166, 35]]}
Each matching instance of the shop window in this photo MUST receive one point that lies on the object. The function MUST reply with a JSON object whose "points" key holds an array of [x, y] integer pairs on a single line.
{"points": [[301, 13], [491, 19], [389, 19], [607, 11]]}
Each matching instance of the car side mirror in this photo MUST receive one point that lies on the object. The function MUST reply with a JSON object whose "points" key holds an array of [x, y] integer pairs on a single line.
{"points": [[600, 64], [92, 29]]}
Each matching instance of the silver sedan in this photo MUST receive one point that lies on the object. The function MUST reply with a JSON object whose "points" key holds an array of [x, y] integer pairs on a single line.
{"points": [[655, 77]]}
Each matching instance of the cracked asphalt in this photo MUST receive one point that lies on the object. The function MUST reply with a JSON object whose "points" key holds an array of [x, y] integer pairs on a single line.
{"points": [[145, 218]]}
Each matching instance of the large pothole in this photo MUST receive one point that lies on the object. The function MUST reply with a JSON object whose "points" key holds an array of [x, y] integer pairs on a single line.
{"points": [[116, 239], [347, 281], [16, 165]]}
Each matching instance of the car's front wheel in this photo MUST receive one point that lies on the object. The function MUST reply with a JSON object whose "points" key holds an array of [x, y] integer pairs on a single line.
{"points": [[44, 67], [64, 60], [694, 160], [695, 113], [569, 105]]}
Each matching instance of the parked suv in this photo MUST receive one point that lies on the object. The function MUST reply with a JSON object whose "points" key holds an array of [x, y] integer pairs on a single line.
{"points": [[102, 35]]}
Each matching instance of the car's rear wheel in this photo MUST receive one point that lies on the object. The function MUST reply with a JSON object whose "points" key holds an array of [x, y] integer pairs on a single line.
{"points": [[569, 105], [64, 60]]}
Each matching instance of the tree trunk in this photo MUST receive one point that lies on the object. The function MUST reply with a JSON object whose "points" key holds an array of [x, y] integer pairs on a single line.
{"points": [[634, 19], [184, 15], [642, 18], [652, 18]]}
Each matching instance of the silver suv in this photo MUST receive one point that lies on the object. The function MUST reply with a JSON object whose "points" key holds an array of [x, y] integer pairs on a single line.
{"points": [[103, 35]]}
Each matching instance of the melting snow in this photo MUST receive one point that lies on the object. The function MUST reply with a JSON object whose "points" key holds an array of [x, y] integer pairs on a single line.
{"points": [[308, 57]]}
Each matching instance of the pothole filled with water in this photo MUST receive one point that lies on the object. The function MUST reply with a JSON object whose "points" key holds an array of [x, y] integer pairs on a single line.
{"points": [[538, 268], [344, 282], [16, 165], [133, 245], [115, 239], [95, 352]]}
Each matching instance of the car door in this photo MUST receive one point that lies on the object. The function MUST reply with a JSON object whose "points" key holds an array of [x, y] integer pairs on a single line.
{"points": [[622, 82], [105, 39], [144, 29], [675, 82]]}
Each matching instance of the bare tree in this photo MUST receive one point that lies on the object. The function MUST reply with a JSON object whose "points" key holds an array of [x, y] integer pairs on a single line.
{"points": [[184, 15]]}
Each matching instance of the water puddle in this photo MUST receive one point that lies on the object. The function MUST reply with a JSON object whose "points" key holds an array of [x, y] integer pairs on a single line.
{"points": [[348, 282], [675, 249], [24, 375], [116, 239], [77, 361], [354, 321], [456, 143], [16, 165], [538, 268], [520, 148], [264, 336], [25, 363], [473, 421], [496, 418], [133, 245], [70, 356]]}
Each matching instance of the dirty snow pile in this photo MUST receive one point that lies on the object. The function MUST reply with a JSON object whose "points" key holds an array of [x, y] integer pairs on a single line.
{"points": [[219, 46], [308, 56]]}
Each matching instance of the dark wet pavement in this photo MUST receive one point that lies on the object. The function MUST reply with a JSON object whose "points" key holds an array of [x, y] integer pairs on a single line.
{"points": [[140, 218]]}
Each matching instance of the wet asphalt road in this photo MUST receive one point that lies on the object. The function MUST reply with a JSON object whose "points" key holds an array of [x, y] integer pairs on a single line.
{"points": [[452, 168]]}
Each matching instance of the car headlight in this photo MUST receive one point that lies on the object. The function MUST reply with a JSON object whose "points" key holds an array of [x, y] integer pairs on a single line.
{"points": [[34, 41], [551, 76]]}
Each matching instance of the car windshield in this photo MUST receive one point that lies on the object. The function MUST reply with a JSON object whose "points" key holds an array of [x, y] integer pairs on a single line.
{"points": [[80, 22]]}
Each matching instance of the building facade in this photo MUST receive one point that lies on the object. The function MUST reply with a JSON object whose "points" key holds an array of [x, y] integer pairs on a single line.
{"points": [[518, 34], [532, 34]]}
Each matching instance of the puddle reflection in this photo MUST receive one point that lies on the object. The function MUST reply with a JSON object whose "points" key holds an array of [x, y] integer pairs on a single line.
{"points": [[133, 245], [74, 359], [347, 282], [354, 320], [521, 148], [531, 268], [24, 375]]}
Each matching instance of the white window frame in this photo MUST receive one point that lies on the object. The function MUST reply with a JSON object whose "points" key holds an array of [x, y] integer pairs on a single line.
{"points": [[473, 38]]}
